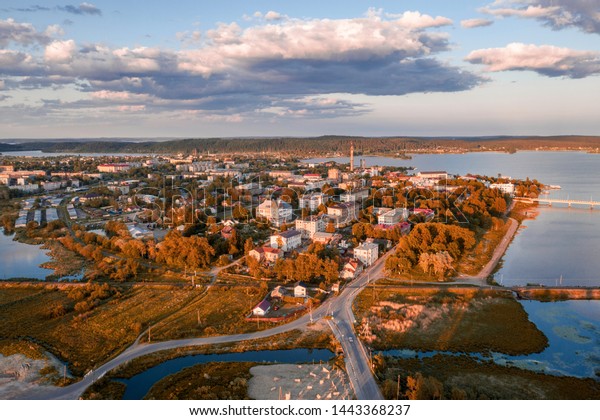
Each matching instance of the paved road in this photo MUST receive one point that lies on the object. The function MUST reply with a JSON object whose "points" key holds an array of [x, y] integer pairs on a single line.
{"points": [[341, 306]]}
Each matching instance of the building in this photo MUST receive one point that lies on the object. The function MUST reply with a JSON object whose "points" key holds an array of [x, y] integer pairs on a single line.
{"points": [[367, 253], [262, 308], [343, 213], [117, 167], [311, 225], [286, 241], [278, 212], [351, 269], [279, 292], [312, 177], [311, 201], [505, 188], [433, 175], [333, 174], [392, 217], [326, 238], [356, 195], [266, 254], [281, 174], [300, 289]]}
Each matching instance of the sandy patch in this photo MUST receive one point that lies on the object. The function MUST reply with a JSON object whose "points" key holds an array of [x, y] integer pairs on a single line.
{"points": [[20, 376], [299, 382]]}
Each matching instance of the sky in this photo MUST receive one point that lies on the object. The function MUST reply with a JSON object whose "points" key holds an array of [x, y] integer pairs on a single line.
{"points": [[195, 68]]}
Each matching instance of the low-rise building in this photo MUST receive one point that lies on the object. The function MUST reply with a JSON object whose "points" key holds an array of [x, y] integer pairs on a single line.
{"points": [[351, 269], [278, 212], [311, 225], [262, 308], [343, 213], [392, 217], [367, 253], [300, 289], [286, 241], [311, 201], [356, 195], [505, 188], [266, 254]]}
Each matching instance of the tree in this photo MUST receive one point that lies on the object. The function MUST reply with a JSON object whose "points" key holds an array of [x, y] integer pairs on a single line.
{"points": [[330, 228], [248, 246]]}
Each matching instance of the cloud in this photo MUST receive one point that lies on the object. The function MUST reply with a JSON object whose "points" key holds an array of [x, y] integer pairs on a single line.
{"points": [[475, 23], [60, 52], [20, 33], [82, 9], [273, 16], [262, 69], [547, 60], [557, 14]]}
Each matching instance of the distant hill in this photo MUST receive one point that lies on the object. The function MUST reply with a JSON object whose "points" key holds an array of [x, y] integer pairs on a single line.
{"points": [[313, 146]]}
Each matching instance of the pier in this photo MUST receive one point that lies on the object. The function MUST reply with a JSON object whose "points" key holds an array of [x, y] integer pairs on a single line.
{"points": [[550, 201]]}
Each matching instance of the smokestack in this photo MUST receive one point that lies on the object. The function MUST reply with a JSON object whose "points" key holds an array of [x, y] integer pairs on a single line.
{"points": [[351, 156]]}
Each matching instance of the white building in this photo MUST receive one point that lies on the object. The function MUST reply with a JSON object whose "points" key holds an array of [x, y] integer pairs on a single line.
{"points": [[343, 213], [505, 188], [300, 289], [286, 241], [392, 217], [262, 308], [277, 212], [311, 201], [311, 225], [356, 195], [367, 253]]}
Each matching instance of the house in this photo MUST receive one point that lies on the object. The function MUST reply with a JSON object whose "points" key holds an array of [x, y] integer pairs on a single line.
{"points": [[278, 212], [367, 253], [505, 188], [262, 308], [351, 269], [266, 254], [227, 232], [300, 289], [286, 241], [433, 175], [326, 238], [311, 225], [279, 292], [335, 287]]}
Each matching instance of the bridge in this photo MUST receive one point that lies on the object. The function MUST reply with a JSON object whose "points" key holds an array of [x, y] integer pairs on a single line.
{"points": [[550, 201]]}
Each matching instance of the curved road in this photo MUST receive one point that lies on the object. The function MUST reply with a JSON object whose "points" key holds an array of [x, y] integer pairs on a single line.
{"points": [[357, 361]]}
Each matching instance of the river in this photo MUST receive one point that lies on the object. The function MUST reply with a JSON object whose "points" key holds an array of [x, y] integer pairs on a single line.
{"points": [[139, 385]]}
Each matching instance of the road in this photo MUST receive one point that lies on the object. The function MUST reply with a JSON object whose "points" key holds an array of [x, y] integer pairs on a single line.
{"points": [[357, 361]]}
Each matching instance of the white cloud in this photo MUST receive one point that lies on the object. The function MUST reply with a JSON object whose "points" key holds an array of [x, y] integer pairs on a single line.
{"points": [[416, 20], [60, 52], [273, 16], [548, 60], [475, 23]]}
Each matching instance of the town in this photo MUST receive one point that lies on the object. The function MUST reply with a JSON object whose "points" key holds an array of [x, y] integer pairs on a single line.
{"points": [[224, 246]]}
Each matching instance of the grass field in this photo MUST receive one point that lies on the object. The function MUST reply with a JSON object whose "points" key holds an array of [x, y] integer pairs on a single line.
{"points": [[89, 337], [221, 311], [460, 377], [447, 319]]}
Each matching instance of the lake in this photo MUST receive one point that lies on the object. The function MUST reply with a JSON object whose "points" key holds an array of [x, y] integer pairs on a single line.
{"points": [[573, 332], [21, 260], [139, 385], [560, 241]]}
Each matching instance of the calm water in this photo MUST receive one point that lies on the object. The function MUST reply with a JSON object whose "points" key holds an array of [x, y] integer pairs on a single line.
{"points": [[560, 241], [21, 260], [573, 331], [139, 385]]}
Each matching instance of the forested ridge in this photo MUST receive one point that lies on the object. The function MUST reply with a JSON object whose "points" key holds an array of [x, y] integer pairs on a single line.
{"points": [[306, 146]]}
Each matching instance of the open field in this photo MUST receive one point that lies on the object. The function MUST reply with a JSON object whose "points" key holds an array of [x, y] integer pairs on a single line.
{"points": [[446, 318], [83, 327], [460, 377], [221, 311], [487, 242]]}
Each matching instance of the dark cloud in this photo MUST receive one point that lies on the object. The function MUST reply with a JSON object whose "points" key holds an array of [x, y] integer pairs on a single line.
{"points": [[557, 14], [82, 9]]}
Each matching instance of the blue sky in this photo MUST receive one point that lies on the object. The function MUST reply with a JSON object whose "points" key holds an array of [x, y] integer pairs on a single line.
{"points": [[264, 68]]}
